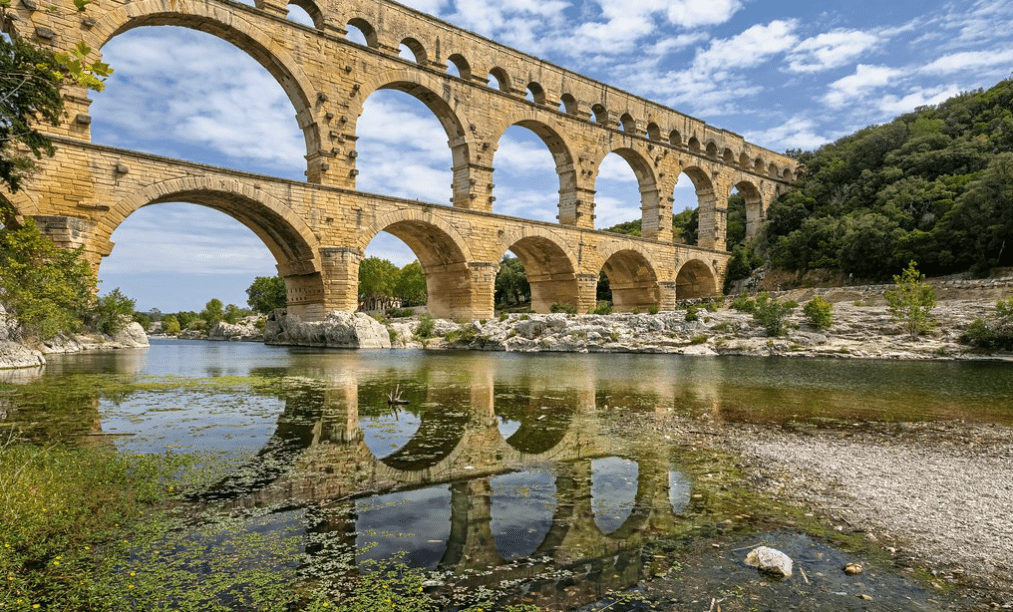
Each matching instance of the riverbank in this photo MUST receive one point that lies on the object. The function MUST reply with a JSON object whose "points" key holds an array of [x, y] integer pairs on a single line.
{"points": [[928, 495]]}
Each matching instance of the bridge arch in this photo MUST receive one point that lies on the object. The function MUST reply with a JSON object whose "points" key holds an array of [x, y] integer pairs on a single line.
{"points": [[632, 278], [696, 279], [423, 87], [754, 206], [550, 265], [441, 250], [285, 234], [558, 147], [207, 17], [647, 180]]}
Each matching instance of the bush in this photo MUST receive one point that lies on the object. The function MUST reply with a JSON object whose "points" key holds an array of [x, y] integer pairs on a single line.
{"points": [[819, 312], [399, 313], [995, 332], [602, 308], [653, 310], [911, 301], [426, 326], [563, 307], [698, 339], [744, 304], [112, 313], [771, 314], [692, 313], [170, 325]]}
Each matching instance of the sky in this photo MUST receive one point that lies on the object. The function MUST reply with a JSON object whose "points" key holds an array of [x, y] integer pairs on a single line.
{"points": [[785, 74]]}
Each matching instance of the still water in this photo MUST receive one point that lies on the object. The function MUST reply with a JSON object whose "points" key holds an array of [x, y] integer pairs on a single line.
{"points": [[494, 471]]}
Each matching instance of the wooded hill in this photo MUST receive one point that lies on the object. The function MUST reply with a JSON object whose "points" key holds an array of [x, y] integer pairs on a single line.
{"points": [[934, 186]]}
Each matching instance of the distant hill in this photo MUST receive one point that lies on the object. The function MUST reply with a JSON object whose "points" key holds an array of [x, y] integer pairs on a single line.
{"points": [[934, 186]]}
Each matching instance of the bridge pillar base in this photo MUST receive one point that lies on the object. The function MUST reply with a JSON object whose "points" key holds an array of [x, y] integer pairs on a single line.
{"points": [[462, 291], [587, 292]]}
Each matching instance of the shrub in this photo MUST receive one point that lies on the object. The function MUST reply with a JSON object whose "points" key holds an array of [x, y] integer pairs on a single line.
{"points": [[653, 310], [426, 326], [698, 339], [819, 312], [392, 333], [399, 313], [692, 313], [770, 314], [563, 307], [744, 304], [994, 332], [503, 317], [170, 325], [602, 308], [911, 301]]}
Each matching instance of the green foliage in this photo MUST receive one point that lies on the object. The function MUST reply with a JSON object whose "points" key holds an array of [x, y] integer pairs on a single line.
{"points": [[112, 312], [426, 326], [742, 303], [692, 313], [213, 313], [934, 186], [233, 313], [819, 312], [995, 332], [563, 308], [267, 294], [400, 313], [771, 315], [911, 301], [30, 79], [602, 308], [653, 309], [698, 339], [144, 319], [630, 228], [170, 325], [745, 259], [512, 282], [49, 290], [411, 287]]}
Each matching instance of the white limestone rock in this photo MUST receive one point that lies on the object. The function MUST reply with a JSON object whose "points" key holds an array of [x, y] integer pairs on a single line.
{"points": [[131, 336], [770, 561], [14, 355], [338, 330]]}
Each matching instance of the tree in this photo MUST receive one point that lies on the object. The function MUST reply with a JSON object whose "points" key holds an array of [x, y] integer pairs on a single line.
{"points": [[771, 314], [377, 279], [213, 312], [911, 301], [267, 294], [233, 313], [112, 312], [411, 286], [30, 80], [46, 288], [170, 325]]}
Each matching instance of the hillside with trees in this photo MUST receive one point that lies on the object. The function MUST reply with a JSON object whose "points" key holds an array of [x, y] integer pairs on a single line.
{"points": [[933, 186]]}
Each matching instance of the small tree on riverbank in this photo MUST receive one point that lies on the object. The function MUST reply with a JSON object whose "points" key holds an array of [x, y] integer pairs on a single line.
{"points": [[911, 301]]}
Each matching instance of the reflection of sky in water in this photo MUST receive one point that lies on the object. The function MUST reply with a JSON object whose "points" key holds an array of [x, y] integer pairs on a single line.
{"points": [[384, 435], [507, 428], [613, 491], [179, 358], [523, 505], [416, 522], [188, 421], [679, 489]]}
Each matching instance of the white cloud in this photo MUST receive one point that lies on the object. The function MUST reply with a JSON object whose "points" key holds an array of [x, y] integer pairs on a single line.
{"points": [[859, 85], [751, 48], [891, 105], [695, 13], [968, 61], [830, 50], [796, 133]]}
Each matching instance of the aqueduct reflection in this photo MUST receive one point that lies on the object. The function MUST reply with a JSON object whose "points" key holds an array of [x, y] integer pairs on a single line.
{"points": [[485, 469]]}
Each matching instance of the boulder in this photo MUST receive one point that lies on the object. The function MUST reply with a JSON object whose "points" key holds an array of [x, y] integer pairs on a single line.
{"points": [[245, 330], [770, 561], [338, 330], [131, 336], [14, 355]]}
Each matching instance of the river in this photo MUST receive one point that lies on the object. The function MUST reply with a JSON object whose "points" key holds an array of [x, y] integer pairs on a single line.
{"points": [[504, 472]]}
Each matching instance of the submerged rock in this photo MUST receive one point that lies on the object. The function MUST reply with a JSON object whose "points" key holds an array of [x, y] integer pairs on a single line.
{"points": [[338, 330], [770, 561]]}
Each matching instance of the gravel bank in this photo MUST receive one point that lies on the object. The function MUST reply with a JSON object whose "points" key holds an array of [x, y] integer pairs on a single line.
{"points": [[940, 492]]}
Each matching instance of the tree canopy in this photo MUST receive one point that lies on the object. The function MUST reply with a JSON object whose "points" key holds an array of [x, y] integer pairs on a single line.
{"points": [[934, 186]]}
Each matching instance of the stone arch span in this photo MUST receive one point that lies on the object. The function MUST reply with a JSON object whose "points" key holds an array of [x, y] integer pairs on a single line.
{"points": [[232, 27], [441, 250], [424, 87], [695, 280], [285, 234], [632, 277], [561, 152], [647, 182], [550, 265], [754, 206]]}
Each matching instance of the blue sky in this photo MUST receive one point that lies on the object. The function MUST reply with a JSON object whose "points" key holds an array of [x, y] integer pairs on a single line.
{"points": [[784, 74]]}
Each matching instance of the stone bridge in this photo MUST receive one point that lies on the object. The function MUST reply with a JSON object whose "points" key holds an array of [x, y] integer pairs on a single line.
{"points": [[318, 230]]}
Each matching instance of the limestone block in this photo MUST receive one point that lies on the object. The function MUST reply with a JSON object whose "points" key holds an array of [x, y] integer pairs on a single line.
{"points": [[338, 330]]}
